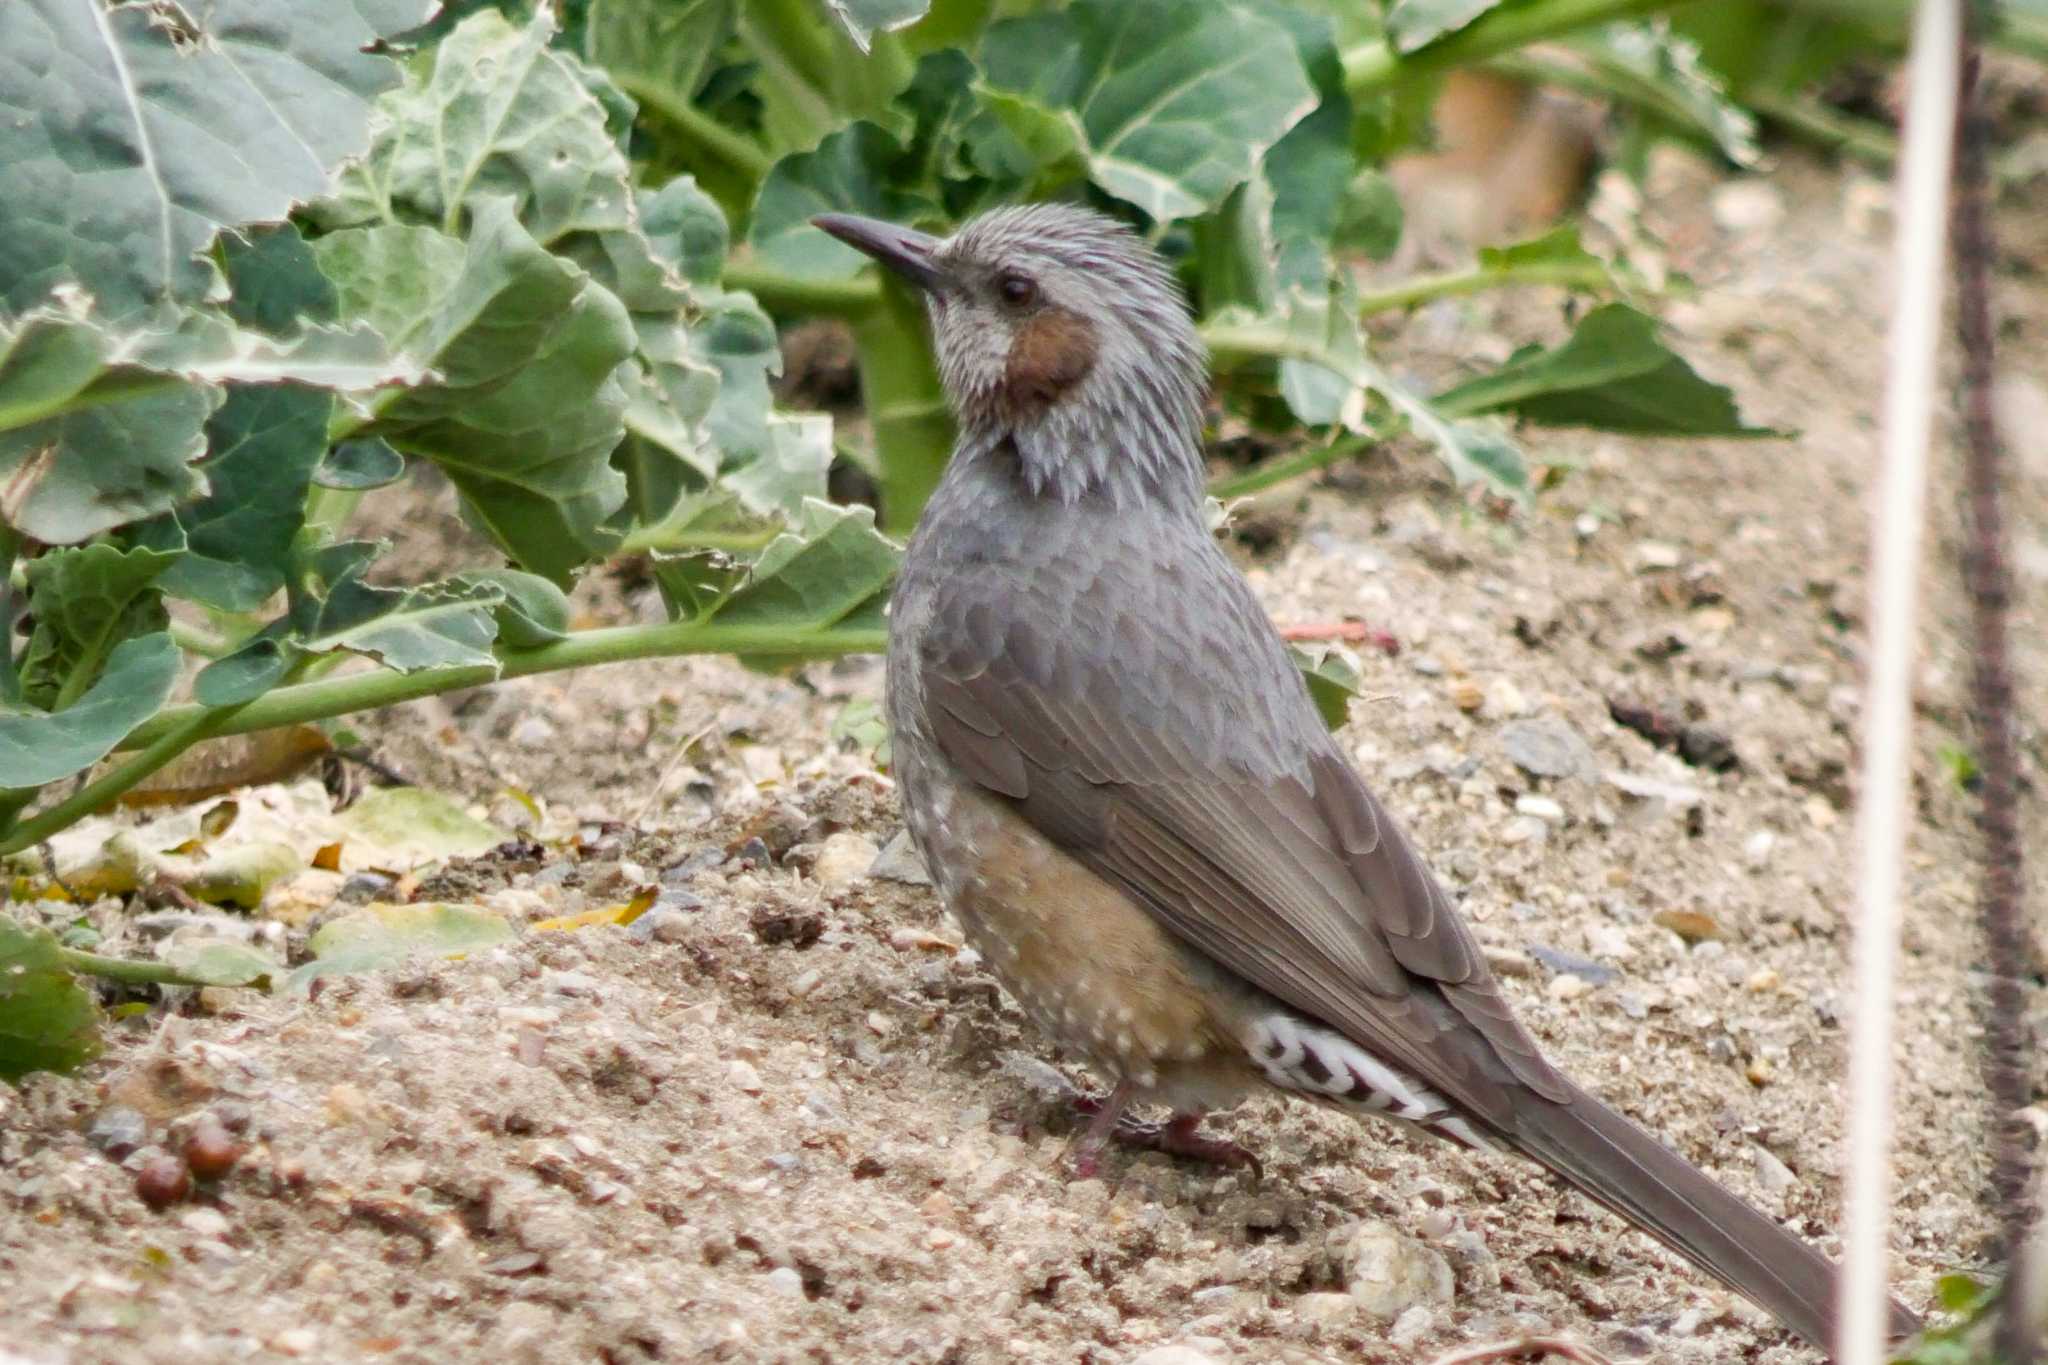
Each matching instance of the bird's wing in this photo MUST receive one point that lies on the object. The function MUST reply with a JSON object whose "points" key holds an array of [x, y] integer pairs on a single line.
{"points": [[1228, 814]]}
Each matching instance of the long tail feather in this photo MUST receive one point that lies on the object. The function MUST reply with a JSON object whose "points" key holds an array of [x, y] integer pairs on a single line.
{"points": [[1618, 1165]]}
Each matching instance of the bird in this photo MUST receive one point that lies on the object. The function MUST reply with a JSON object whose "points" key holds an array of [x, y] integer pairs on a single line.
{"points": [[1128, 800]]}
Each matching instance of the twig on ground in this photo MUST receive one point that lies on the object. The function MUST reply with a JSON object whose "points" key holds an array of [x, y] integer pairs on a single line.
{"points": [[1350, 632], [1524, 1348]]}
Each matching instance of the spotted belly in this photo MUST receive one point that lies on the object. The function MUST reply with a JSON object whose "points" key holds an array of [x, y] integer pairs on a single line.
{"points": [[1089, 968]]}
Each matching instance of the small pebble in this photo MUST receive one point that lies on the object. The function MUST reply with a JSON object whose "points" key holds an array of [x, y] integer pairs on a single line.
{"points": [[532, 732], [1761, 980], [1545, 746], [844, 859], [1542, 807], [1388, 1272], [1325, 1307], [118, 1131], [1522, 829], [1772, 1175], [295, 1341], [742, 1076], [162, 1180], [210, 1150], [785, 1282], [1657, 554], [899, 862], [204, 1222], [1467, 695], [1568, 987]]}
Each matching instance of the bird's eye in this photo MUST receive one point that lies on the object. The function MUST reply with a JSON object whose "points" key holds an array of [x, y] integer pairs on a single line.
{"points": [[1017, 290]]}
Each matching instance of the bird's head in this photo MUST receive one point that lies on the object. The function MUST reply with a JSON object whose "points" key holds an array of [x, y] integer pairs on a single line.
{"points": [[1059, 329]]}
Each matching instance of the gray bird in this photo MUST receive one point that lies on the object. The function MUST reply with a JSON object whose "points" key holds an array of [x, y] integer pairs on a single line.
{"points": [[1128, 799]]}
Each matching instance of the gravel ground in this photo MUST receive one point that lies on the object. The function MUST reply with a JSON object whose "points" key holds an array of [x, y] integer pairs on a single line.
{"points": [[785, 1117]]}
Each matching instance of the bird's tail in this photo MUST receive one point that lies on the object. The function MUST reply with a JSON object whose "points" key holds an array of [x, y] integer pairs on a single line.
{"points": [[1618, 1165]]}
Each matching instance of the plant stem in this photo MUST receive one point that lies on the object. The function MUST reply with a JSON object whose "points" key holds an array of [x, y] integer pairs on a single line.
{"points": [[132, 971], [614, 644], [1830, 129], [188, 727], [905, 403], [1281, 468], [783, 293], [1477, 279], [1373, 67], [734, 148]]}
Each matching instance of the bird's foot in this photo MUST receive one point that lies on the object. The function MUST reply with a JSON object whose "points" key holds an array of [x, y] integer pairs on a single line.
{"points": [[1180, 1136]]}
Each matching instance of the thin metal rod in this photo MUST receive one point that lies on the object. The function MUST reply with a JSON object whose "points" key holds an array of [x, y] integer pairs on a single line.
{"points": [[1919, 273]]}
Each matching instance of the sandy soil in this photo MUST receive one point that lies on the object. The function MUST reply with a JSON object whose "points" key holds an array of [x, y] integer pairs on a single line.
{"points": [[785, 1118]]}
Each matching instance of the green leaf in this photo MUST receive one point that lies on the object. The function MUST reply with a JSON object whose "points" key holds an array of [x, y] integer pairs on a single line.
{"points": [[244, 675], [407, 827], [865, 18], [659, 51], [48, 1021], [527, 408], [130, 134], [222, 962], [1332, 380], [831, 565], [687, 229], [1332, 677], [789, 469], [264, 444], [99, 426], [85, 601], [1664, 72], [813, 79], [38, 747], [849, 172], [435, 626], [530, 610], [1558, 247], [1176, 99], [276, 283], [381, 935], [1413, 24], [1612, 374], [1961, 1293], [363, 464]]}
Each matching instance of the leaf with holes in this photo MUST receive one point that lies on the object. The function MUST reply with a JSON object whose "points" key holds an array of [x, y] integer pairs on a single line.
{"points": [[103, 182], [1176, 100]]}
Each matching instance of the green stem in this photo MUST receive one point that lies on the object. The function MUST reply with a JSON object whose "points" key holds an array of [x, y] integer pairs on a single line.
{"points": [[1866, 140], [783, 293], [131, 971], [1373, 67], [1587, 275], [10, 680], [615, 644], [197, 639], [905, 404], [1281, 468], [734, 148], [188, 725]]}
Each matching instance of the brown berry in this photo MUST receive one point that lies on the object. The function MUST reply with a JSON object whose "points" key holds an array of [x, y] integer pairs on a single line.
{"points": [[210, 1150], [162, 1180]]}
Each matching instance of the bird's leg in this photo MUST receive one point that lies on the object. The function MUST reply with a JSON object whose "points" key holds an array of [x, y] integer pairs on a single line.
{"points": [[1105, 1116], [1179, 1136]]}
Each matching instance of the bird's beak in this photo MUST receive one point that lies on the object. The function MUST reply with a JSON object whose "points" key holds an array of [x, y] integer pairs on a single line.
{"points": [[904, 250]]}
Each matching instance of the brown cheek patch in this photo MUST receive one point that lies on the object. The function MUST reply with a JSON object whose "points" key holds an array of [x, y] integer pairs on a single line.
{"points": [[1052, 352]]}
